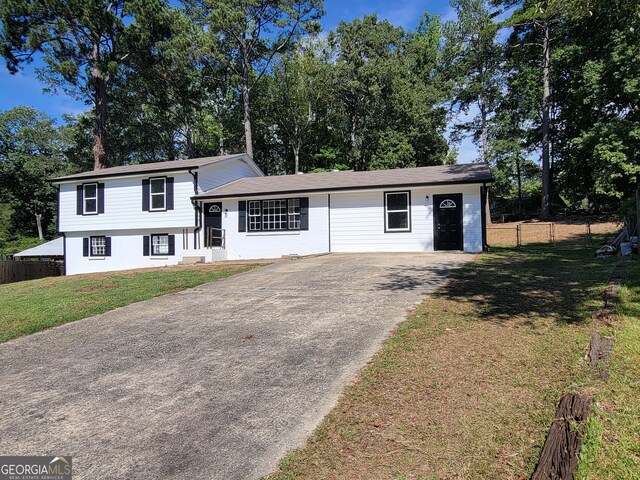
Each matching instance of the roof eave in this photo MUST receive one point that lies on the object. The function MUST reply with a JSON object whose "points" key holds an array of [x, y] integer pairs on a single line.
{"points": [[205, 196]]}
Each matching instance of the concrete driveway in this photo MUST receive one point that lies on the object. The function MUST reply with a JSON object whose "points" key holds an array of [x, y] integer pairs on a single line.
{"points": [[215, 382]]}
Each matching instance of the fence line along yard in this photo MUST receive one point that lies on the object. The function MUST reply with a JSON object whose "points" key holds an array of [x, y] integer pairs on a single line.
{"points": [[19, 270], [530, 233]]}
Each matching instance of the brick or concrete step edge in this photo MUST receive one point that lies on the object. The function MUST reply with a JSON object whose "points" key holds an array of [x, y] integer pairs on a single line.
{"points": [[191, 260]]}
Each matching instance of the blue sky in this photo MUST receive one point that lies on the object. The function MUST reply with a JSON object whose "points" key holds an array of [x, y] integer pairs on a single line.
{"points": [[24, 88]]}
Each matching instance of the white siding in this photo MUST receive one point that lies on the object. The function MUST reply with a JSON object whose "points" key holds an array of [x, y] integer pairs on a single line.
{"points": [[357, 221], [211, 176], [123, 206], [126, 252], [252, 245]]}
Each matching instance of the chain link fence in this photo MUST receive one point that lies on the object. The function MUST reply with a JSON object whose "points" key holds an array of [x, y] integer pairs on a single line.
{"points": [[549, 233]]}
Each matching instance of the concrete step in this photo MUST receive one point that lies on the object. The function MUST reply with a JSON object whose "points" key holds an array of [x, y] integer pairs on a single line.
{"points": [[191, 260]]}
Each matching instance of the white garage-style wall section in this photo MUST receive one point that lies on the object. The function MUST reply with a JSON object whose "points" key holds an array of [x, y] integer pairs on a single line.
{"points": [[275, 244], [126, 250], [358, 220]]}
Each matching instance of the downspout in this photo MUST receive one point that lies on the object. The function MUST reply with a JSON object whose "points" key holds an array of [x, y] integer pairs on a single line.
{"points": [[329, 218], [483, 216], [196, 208]]}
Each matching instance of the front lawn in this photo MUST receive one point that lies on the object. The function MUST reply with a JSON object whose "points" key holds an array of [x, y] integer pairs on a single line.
{"points": [[34, 305], [467, 386]]}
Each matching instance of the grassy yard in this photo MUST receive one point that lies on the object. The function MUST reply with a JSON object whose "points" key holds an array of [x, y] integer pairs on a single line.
{"points": [[612, 446], [467, 386], [31, 306]]}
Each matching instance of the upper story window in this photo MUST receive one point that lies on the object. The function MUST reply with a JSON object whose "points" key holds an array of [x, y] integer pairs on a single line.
{"points": [[158, 193], [397, 211], [90, 195], [90, 198], [277, 214]]}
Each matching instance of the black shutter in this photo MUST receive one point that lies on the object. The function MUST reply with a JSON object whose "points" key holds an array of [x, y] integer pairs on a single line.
{"points": [[145, 195], [169, 193], [146, 240], [101, 198], [242, 216], [107, 246], [304, 214], [85, 247], [172, 244], [79, 200]]}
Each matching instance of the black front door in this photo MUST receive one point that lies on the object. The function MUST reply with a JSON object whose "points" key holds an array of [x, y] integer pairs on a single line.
{"points": [[213, 224], [447, 218]]}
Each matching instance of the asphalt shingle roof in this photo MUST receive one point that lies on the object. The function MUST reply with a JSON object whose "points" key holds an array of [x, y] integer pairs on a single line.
{"points": [[349, 180], [149, 167]]}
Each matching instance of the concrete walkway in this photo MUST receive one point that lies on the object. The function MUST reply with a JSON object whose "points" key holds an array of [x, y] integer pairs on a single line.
{"points": [[217, 382]]}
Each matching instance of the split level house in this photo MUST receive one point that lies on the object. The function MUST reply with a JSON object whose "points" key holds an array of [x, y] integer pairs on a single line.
{"points": [[225, 208]]}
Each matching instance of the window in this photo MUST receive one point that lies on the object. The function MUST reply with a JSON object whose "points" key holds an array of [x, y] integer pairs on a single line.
{"points": [[90, 198], [294, 214], [98, 246], [158, 191], [159, 244], [274, 215], [397, 211], [255, 217]]}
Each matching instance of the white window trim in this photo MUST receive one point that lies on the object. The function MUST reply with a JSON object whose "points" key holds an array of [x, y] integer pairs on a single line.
{"points": [[164, 254], [85, 198], [157, 194], [288, 216], [104, 246], [407, 210]]}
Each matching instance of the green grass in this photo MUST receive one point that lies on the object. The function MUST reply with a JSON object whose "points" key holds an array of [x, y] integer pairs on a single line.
{"points": [[31, 306], [612, 444], [467, 386]]}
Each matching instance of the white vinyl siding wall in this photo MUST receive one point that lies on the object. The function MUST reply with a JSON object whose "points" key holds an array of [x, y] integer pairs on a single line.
{"points": [[357, 221], [211, 176], [126, 251], [123, 206], [275, 244]]}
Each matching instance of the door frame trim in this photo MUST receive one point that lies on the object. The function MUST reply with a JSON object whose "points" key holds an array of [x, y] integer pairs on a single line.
{"points": [[436, 205]]}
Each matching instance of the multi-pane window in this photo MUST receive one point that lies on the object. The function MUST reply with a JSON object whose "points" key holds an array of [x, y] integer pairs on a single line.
{"points": [[158, 192], [90, 198], [397, 211], [273, 215], [98, 246], [294, 214], [255, 216], [159, 244]]}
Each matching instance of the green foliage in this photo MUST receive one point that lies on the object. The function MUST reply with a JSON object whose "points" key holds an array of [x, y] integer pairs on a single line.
{"points": [[31, 152]]}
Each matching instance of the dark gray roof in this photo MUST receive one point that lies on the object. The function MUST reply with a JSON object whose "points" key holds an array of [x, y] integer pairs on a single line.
{"points": [[332, 181], [155, 167]]}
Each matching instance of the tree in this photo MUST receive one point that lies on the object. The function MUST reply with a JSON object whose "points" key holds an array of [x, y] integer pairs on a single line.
{"points": [[85, 45], [31, 152], [297, 89], [248, 34]]}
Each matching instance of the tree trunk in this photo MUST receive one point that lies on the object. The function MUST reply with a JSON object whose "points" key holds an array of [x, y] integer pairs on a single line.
{"points": [[247, 118], [519, 173], [39, 224], [637, 211], [189, 141], [545, 208], [485, 151], [100, 137]]}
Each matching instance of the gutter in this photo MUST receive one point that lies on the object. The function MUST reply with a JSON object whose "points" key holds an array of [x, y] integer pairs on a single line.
{"points": [[204, 196]]}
